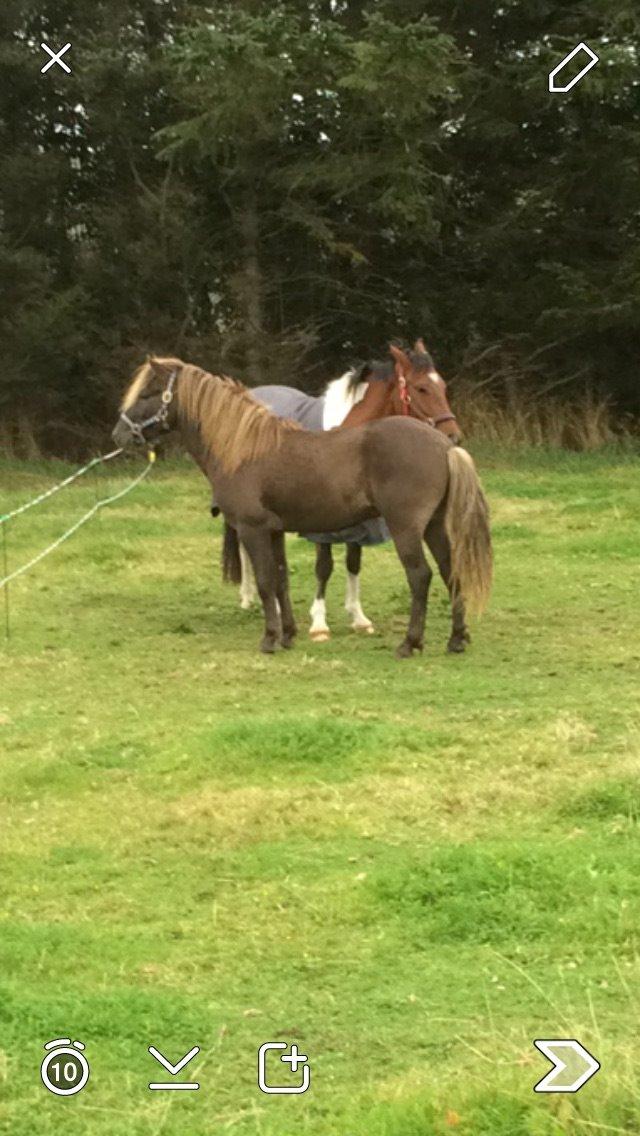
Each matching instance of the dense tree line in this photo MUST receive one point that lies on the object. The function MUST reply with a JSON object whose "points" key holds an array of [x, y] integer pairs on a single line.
{"points": [[279, 188]]}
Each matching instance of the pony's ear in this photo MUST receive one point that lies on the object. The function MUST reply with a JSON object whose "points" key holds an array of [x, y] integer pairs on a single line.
{"points": [[156, 367], [419, 347], [403, 362]]}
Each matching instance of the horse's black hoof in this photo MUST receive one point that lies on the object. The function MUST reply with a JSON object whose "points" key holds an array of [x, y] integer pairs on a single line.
{"points": [[458, 643], [288, 641], [268, 647], [456, 646], [404, 651]]}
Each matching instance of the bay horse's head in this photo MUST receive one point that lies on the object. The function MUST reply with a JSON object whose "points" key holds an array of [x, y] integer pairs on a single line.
{"points": [[419, 390], [407, 384], [148, 409]]}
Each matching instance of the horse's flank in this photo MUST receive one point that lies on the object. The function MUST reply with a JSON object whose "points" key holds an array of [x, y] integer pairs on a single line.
{"points": [[233, 426]]}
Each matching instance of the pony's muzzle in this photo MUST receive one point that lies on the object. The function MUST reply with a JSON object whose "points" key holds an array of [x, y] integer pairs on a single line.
{"points": [[125, 438]]}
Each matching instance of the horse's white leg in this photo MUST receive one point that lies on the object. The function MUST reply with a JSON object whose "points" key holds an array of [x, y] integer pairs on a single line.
{"points": [[359, 621], [319, 630], [248, 583]]}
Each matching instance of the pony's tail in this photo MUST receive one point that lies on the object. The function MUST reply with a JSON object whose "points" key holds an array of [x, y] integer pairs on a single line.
{"points": [[231, 567], [467, 525]]}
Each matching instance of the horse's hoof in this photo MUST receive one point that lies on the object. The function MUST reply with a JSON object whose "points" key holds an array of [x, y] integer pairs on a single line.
{"points": [[320, 636], [268, 647], [246, 604], [458, 642], [365, 628], [456, 647], [404, 651], [287, 641]]}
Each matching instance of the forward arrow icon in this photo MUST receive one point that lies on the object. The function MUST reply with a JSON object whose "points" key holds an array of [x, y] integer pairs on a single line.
{"points": [[573, 1066]]}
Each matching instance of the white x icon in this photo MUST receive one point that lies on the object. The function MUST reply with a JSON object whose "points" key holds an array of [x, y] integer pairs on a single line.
{"points": [[56, 57]]}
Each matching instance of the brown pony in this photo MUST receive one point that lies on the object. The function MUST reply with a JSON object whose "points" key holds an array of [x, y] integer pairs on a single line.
{"points": [[271, 477], [406, 384]]}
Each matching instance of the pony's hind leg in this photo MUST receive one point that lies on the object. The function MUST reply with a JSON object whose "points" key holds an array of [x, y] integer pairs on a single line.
{"points": [[247, 583], [359, 621], [438, 542], [289, 629], [319, 630], [258, 543], [419, 575]]}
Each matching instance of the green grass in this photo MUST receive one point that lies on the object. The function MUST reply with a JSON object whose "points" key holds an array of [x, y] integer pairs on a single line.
{"points": [[411, 869]]}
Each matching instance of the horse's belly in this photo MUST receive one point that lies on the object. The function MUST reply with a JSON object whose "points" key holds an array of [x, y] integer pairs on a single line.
{"points": [[308, 510]]}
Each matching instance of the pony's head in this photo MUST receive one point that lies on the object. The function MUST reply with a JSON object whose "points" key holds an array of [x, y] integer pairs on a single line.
{"points": [[148, 410], [419, 390]]}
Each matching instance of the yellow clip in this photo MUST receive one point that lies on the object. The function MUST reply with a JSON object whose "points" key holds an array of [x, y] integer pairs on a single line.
{"points": [[151, 456]]}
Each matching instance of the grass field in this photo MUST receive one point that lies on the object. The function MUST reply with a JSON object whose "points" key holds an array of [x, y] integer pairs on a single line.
{"points": [[410, 869]]}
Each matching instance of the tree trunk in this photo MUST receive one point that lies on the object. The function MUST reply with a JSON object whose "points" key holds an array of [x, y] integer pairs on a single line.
{"points": [[251, 284]]}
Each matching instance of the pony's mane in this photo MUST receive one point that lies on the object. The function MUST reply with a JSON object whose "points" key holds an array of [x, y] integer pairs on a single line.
{"points": [[137, 385], [233, 426]]}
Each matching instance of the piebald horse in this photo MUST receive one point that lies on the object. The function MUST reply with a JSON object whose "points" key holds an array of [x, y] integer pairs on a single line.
{"points": [[272, 477]]}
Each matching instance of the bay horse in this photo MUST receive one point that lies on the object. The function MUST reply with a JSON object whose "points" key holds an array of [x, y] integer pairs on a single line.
{"points": [[272, 477], [407, 384]]}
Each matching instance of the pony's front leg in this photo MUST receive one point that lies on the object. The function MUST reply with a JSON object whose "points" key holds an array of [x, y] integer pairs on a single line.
{"points": [[289, 629], [247, 582], [258, 544], [319, 630], [359, 621]]}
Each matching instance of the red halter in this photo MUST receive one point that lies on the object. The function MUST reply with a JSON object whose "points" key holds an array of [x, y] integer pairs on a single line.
{"points": [[405, 397]]}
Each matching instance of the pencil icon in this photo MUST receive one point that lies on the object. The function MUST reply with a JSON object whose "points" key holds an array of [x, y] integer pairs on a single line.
{"points": [[555, 79]]}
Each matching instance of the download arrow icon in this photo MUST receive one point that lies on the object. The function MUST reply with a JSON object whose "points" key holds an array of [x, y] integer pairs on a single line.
{"points": [[573, 1066]]}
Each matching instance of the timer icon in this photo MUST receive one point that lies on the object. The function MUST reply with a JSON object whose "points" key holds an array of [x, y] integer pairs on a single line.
{"points": [[65, 1069]]}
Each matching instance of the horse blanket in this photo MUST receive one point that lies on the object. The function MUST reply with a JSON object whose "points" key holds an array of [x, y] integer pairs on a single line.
{"points": [[287, 402]]}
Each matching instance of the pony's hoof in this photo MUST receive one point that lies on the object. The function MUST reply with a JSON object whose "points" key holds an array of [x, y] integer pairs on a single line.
{"points": [[404, 651], [246, 604], [366, 628], [287, 641], [320, 636], [268, 647], [457, 644], [456, 647]]}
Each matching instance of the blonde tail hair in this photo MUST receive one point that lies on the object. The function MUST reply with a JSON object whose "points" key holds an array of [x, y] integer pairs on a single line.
{"points": [[467, 525]]}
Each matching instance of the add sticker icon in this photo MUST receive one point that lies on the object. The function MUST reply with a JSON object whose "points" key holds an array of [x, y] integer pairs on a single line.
{"points": [[65, 1069], [293, 1059]]}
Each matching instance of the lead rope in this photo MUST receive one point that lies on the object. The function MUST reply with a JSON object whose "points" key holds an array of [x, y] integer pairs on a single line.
{"points": [[61, 485], [100, 504], [5, 569]]}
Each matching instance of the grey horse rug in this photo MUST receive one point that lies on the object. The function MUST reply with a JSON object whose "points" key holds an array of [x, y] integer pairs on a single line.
{"points": [[287, 402]]}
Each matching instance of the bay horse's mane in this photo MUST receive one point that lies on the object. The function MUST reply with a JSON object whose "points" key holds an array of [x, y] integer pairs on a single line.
{"points": [[233, 426], [381, 370]]}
